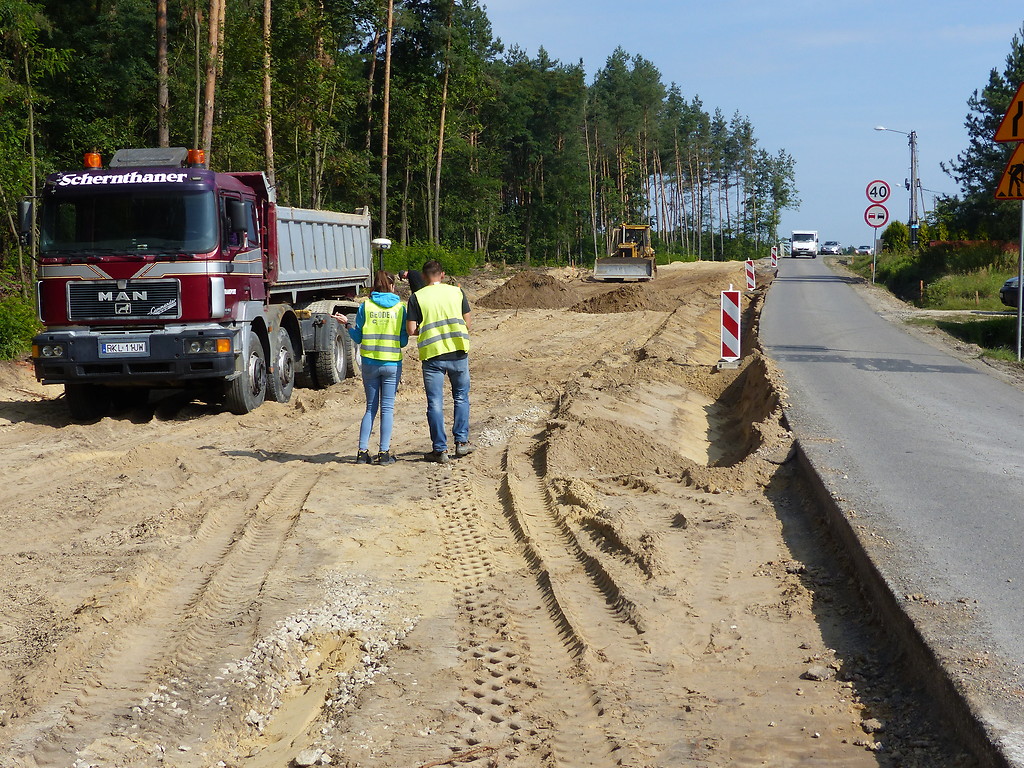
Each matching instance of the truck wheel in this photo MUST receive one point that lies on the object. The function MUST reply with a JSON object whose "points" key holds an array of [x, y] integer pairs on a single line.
{"points": [[247, 391], [87, 402], [282, 378], [336, 363]]}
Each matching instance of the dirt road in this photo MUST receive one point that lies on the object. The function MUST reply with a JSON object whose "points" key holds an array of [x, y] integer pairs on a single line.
{"points": [[623, 573]]}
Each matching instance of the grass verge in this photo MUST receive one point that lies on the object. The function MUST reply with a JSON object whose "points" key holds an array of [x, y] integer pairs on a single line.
{"points": [[997, 336]]}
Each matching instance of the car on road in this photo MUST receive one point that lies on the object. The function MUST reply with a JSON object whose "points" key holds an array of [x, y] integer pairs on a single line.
{"points": [[1008, 293], [831, 248], [863, 250]]}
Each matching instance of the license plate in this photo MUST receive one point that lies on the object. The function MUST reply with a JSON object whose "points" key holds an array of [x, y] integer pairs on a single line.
{"points": [[124, 347]]}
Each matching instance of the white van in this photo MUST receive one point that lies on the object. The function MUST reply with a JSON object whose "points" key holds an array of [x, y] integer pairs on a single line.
{"points": [[804, 243]]}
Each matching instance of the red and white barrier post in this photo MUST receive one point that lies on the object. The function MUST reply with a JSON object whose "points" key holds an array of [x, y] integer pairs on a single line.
{"points": [[751, 281], [730, 326], [775, 257]]}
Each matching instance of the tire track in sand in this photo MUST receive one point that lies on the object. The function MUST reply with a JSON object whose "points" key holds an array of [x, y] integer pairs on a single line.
{"points": [[196, 615], [584, 622], [497, 696]]}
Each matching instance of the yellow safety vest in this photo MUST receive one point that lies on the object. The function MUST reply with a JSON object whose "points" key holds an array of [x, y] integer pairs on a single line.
{"points": [[382, 327], [442, 329]]}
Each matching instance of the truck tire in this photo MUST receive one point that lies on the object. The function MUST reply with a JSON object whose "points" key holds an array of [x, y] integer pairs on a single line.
{"points": [[335, 363], [281, 380], [87, 402], [246, 392]]}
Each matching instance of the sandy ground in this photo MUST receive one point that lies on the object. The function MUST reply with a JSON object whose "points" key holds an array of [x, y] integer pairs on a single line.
{"points": [[625, 573]]}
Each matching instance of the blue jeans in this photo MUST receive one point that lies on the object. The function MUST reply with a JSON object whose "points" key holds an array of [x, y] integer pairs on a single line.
{"points": [[380, 382], [457, 372]]}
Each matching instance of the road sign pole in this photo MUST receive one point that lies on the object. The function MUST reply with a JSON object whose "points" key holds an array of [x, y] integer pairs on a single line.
{"points": [[874, 257], [1020, 280]]}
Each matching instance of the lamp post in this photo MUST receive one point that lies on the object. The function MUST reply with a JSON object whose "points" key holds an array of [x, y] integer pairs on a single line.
{"points": [[914, 224]]}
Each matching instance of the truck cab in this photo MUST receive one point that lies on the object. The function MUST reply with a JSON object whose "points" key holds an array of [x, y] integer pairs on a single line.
{"points": [[157, 272]]}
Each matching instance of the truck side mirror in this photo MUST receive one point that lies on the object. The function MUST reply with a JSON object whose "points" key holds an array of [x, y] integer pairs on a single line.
{"points": [[25, 221], [236, 216]]}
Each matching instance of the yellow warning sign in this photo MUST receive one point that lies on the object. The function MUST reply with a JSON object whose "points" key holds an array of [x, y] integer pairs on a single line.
{"points": [[1012, 126], [1011, 186]]}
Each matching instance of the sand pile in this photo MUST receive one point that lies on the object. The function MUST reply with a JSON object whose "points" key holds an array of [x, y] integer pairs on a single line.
{"points": [[628, 298], [529, 290]]}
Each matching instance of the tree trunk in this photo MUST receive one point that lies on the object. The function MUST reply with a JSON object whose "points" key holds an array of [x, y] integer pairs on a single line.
{"points": [[162, 98], [385, 122], [369, 89], [212, 39], [435, 235], [405, 200], [268, 113], [33, 247], [197, 107], [592, 178], [428, 199], [681, 217], [22, 277]]}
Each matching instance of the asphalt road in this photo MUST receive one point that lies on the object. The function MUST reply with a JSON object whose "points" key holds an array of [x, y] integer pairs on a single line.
{"points": [[926, 451]]}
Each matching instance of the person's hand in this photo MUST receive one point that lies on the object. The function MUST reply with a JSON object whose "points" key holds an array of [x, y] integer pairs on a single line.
{"points": [[340, 318]]}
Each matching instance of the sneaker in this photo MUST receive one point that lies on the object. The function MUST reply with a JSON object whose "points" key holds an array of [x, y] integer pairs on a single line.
{"points": [[439, 457], [463, 449], [363, 457], [385, 458]]}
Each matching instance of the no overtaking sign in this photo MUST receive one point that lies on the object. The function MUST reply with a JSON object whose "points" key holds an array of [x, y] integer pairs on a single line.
{"points": [[876, 215]]}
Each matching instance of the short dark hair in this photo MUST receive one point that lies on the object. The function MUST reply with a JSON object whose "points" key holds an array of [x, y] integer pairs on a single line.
{"points": [[432, 269]]}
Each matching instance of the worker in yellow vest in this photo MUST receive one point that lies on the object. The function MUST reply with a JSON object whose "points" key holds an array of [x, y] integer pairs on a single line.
{"points": [[438, 314], [380, 330]]}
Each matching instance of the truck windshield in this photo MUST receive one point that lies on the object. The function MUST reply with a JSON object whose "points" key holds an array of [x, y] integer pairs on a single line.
{"points": [[802, 237], [133, 221]]}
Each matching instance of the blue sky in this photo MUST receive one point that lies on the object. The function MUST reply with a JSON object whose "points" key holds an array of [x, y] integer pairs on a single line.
{"points": [[814, 77]]}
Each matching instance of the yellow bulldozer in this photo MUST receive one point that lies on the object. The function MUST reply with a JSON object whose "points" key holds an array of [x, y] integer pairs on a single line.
{"points": [[632, 257]]}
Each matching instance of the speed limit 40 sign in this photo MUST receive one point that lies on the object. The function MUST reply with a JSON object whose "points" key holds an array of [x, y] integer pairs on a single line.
{"points": [[878, 191]]}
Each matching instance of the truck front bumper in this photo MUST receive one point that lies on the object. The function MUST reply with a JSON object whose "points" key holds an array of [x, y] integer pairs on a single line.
{"points": [[162, 356]]}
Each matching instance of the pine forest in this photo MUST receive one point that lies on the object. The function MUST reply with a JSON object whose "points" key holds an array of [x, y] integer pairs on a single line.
{"points": [[411, 107]]}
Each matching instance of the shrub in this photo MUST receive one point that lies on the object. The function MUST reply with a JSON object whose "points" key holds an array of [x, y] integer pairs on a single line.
{"points": [[975, 290], [455, 262], [962, 257], [993, 333], [18, 324]]}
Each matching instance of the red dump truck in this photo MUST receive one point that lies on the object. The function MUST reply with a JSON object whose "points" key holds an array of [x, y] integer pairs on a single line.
{"points": [[157, 272]]}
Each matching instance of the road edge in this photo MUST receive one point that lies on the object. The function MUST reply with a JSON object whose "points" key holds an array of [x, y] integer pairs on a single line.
{"points": [[976, 722], [983, 721]]}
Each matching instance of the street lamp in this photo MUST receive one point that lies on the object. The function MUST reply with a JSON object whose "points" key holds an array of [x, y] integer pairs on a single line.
{"points": [[914, 224]]}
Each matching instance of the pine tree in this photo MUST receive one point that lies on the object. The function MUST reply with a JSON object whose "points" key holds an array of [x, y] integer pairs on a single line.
{"points": [[980, 166]]}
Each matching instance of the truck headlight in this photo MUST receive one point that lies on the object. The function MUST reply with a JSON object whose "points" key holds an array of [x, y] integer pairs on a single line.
{"points": [[51, 350], [208, 346]]}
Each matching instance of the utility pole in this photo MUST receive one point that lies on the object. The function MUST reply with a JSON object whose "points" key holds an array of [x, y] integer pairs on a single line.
{"points": [[915, 223]]}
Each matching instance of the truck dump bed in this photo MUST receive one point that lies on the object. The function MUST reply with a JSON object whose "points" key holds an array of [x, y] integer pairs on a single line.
{"points": [[318, 249]]}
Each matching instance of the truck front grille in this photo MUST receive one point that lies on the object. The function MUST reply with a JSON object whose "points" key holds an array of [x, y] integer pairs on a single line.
{"points": [[102, 300]]}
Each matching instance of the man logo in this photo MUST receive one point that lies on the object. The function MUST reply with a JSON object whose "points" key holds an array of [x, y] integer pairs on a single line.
{"points": [[122, 309], [121, 296]]}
